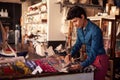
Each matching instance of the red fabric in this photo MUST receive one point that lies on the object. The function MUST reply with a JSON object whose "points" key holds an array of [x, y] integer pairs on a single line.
{"points": [[101, 63], [10, 50], [7, 70], [45, 66]]}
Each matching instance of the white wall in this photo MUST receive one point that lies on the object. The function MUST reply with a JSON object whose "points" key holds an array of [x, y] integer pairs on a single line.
{"points": [[54, 22]]}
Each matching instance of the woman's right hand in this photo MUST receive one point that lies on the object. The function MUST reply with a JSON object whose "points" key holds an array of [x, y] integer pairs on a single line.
{"points": [[67, 59]]}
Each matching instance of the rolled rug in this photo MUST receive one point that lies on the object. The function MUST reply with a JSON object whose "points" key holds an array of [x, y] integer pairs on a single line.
{"points": [[4, 53]]}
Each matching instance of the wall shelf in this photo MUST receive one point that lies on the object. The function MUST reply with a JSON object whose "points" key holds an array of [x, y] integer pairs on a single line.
{"points": [[68, 4]]}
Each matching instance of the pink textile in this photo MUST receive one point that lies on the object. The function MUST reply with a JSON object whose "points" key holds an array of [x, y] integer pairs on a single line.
{"points": [[101, 63]]}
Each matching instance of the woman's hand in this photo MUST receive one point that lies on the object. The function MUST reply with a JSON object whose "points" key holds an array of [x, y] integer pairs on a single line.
{"points": [[75, 67], [67, 59]]}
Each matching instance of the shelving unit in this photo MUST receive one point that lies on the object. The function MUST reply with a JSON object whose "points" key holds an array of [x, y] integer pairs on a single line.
{"points": [[47, 20], [6, 21], [36, 21], [107, 25], [110, 25], [42, 20], [14, 14], [116, 65], [68, 5]]}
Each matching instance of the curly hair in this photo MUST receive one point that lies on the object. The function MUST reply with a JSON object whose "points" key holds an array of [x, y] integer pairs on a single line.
{"points": [[75, 11]]}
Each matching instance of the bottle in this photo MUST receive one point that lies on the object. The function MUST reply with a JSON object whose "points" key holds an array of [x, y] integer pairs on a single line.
{"points": [[17, 34], [2, 13], [6, 13]]}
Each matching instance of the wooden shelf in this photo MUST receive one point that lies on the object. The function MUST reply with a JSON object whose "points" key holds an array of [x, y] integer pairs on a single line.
{"points": [[33, 13], [68, 4], [4, 17]]}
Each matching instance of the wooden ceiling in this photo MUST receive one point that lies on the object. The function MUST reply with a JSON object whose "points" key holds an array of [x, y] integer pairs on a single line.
{"points": [[11, 1], [20, 1]]}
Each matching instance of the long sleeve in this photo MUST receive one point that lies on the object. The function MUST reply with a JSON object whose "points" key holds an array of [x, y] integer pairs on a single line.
{"points": [[95, 48], [77, 45]]}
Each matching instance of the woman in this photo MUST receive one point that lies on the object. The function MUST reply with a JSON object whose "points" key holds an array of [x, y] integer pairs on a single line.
{"points": [[89, 35]]}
